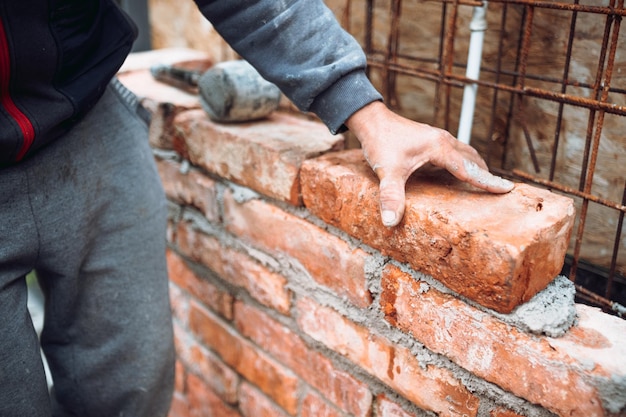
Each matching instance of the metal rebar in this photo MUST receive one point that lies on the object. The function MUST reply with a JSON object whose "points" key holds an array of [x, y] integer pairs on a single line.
{"points": [[598, 300], [457, 80], [611, 10], [369, 16], [448, 59], [391, 55], [559, 119], [616, 245], [602, 79], [562, 188], [498, 73]]}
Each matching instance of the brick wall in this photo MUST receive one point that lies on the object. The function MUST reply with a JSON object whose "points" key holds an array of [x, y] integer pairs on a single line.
{"points": [[291, 299]]}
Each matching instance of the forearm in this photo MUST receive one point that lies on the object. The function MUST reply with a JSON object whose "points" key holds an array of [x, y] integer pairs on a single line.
{"points": [[300, 47]]}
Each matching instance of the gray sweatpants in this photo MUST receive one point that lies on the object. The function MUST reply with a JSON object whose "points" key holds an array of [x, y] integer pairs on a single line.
{"points": [[88, 214]]}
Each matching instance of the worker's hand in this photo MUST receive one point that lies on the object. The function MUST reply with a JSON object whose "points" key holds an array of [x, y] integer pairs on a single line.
{"points": [[395, 147]]}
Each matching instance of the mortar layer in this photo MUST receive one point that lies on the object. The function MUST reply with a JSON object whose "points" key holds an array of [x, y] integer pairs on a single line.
{"points": [[551, 312]]}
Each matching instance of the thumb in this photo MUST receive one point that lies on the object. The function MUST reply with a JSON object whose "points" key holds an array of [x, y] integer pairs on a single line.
{"points": [[392, 200]]}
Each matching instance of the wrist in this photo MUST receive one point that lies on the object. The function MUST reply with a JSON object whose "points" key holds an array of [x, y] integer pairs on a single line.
{"points": [[366, 119]]}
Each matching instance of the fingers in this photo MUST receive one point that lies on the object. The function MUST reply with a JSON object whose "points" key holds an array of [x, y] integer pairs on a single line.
{"points": [[469, 171], [483, 179], [395, 147], [392, 200], [392, 189], [464, 162]]}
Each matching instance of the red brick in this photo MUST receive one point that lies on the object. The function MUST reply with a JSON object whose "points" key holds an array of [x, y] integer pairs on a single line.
{"points": [[337, 386], [239, 269], [565, 375], [439, 390], [264, 155], [179, 301], [498, 250], [252, 403], [164, 102], [329, 260], [203, 402], [273, 379], [387, 408], [199, 361], [205, 292], [314, 406], [170, 233], [191, 188], [179, 380], [180, 406], [503, 412]]}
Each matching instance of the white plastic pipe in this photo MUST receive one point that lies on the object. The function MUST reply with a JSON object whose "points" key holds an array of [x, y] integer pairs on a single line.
{"points": [[478, 25]]}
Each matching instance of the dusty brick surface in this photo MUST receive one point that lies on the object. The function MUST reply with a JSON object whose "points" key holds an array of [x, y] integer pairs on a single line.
{"points": [[503, 412], [237, 268], [211, 296], [179, 377], [190, 188], [498, 250], [440, 391], [198, 360], [330, 260], [339, 387], [314, 406], [252, 403], [566, 375], [179, 407], [179, 301], [264, 155], [203, 402], [274, 379], [387, 408]]}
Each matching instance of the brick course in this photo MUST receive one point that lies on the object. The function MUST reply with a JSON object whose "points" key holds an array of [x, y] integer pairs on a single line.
{"points": [[331, 261], [498, 250], [278, 313], [265, 155], [393, 365], [496, 352]]}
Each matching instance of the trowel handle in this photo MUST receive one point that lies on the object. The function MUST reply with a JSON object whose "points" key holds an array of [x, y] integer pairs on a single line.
{"points": [[175, 76]]}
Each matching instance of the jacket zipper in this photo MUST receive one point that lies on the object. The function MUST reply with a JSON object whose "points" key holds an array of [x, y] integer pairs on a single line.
{"points": [[28, 132]]}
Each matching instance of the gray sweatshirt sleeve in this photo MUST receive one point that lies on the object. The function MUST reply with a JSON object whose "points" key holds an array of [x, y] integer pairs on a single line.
{"points": [[299, 46]]}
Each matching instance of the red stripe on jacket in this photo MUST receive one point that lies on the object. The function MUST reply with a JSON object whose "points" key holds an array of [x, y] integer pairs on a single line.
{"points": [[28, 132]]}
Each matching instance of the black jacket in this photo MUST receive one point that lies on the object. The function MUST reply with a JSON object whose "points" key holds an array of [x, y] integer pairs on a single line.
{"points": [[57, 57]]}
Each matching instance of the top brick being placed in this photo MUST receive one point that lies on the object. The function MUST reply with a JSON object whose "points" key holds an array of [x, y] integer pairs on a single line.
{"points": [[496, 250]]}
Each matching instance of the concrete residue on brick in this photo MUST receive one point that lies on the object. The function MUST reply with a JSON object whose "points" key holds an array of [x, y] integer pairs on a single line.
{"points": [[550, 312], [373, 269], [184, 167], [613, 393], [242, 194]]}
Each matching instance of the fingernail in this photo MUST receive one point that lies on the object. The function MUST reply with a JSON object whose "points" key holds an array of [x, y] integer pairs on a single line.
{"points": [[507, 184], [389, 217]]}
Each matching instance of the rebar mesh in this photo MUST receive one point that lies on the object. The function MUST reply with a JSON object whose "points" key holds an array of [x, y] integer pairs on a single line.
{"points": [[551, 105]]}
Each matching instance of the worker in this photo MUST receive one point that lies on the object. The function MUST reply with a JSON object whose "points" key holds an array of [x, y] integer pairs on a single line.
{"points": [[82, 205]]}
